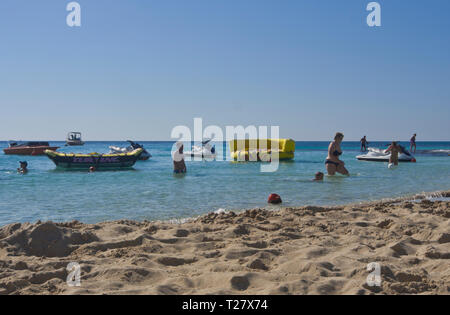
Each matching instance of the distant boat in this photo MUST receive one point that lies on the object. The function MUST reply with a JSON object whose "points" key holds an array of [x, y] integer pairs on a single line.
{"points": [[28, 148], [205, 151], [74, 138]]}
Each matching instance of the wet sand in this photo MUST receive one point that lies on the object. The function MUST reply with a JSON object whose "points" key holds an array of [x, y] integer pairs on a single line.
{"points": [[305, 250]]}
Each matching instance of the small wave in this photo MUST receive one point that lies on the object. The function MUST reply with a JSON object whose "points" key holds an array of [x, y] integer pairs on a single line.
{"points": [[432, 196], [442, 152]]}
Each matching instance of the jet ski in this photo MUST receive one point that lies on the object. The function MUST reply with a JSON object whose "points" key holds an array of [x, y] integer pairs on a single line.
{"points": [[205, 151], [133, 146], [379, 155]]}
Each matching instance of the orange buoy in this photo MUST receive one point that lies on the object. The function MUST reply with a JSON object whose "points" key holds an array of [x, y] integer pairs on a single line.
{"points": [[274, 199]]}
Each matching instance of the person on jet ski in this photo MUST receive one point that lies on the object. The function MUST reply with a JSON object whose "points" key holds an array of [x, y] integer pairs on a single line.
{"points": [[364, 144]]}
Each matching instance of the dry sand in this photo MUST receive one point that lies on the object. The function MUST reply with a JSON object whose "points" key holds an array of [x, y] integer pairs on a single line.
{"points": [[307, 250]]}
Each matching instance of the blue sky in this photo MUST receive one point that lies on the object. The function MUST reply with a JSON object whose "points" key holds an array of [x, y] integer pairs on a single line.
{"points": [[135, 69]]}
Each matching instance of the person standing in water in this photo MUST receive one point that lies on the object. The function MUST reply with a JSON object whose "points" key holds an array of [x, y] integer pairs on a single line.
{"points": [[395, 149], [364, 144], [332, 163], [179, 167], [413, 144]]}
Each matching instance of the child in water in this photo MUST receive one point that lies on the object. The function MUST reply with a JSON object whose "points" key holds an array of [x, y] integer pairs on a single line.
{"points": [[23, 168], [318, 177]]}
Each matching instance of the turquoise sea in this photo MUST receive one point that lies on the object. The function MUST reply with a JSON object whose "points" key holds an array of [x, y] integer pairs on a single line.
{"points": [[151, 191]]}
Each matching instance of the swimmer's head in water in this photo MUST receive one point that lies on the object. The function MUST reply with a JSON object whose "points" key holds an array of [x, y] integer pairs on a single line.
{"points": [[91, 169], [23, 164], [319, 176]]}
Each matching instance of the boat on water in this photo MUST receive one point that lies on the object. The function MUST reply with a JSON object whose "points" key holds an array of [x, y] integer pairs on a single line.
{"points": [[205, 151], [133, 146], [74, 139], [28, 148], [379, 155], [96, 160]]}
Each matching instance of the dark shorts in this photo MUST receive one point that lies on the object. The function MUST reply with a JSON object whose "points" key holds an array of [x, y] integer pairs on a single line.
{"points": [[332, 162]]}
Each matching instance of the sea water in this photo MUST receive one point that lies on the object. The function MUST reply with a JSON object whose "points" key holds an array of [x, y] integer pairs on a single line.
{"points": [[151, 191]]}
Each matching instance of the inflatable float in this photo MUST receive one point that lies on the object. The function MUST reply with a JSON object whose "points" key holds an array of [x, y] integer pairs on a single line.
{"points": [[96, 160], [262, 150]]}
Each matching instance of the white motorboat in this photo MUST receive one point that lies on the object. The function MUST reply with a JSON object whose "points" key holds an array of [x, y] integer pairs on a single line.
{"points": [[205, 151], [74, 138], [379, 155], [133, 146]]}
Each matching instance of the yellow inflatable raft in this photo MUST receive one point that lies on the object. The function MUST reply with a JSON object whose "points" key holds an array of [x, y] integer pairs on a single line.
{"points": [[262, 150]]}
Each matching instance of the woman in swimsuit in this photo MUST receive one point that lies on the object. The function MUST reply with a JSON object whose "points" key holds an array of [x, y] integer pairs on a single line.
{"points": [[332, 163]]}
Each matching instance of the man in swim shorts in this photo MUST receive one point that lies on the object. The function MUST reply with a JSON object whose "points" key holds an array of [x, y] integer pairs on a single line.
{"points": [[364, 144]]}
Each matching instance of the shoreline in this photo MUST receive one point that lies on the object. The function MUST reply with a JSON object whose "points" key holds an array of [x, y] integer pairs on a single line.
{"points": [[293, 250]]}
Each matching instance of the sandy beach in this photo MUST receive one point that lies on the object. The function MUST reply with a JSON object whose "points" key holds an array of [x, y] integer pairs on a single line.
{"points": [[305, 250]]}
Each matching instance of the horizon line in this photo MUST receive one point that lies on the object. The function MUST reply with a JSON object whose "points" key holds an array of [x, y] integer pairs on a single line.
{"points": [[228, 140]]}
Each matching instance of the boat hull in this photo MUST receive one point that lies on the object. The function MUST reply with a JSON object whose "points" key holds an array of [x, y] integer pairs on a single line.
{"points": [[74, 143], [98, 161], [374, 159], [28, 150], [200, 155]]}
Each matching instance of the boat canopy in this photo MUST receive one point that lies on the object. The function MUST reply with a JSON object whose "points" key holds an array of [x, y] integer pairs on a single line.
{"points": [[74, 135]]}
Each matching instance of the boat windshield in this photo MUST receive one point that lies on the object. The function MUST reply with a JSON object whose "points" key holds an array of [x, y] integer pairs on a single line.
{"points": [[74, 136]]}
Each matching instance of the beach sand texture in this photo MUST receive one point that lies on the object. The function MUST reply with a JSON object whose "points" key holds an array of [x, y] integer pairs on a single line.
{"points": [[306, 250]]}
